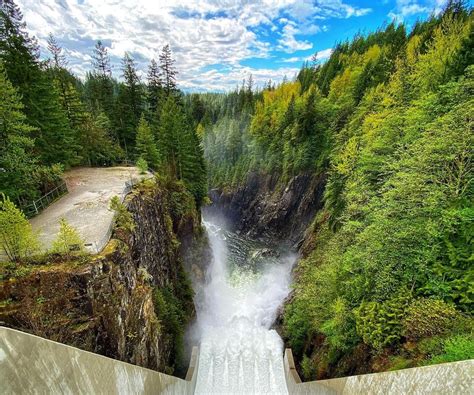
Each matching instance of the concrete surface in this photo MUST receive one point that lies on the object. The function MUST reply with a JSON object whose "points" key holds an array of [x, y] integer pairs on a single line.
{"points": [[447, 378], [33, 365], [86, 206]]}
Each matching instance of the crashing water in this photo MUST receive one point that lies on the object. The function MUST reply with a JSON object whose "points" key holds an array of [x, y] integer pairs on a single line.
{"points": [[239, 353]]}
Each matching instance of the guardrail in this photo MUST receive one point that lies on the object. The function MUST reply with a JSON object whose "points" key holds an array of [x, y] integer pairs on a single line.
{"points": [[44, 201], [33, 365], [447, 378]]}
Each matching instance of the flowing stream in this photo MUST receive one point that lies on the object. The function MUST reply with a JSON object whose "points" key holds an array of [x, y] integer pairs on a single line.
{"points": [[246, 283]]}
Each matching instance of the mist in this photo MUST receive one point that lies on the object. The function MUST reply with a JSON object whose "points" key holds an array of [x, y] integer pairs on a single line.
{"points": [[245, 285]]}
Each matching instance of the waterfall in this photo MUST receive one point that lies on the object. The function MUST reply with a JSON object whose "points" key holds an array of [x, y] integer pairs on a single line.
{"points": [[239, 353]]}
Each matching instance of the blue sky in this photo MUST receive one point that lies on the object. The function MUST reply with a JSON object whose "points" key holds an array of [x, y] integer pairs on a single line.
{"points": [[216, 43]]}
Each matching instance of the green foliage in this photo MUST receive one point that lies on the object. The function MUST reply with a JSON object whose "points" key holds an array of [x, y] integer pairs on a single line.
{"points": [[428, 317], [68, 241], [340, 327], [142, 165], [145, 144], [456, 348], [17, 238], [172, 311], [123, 217], [17, 159], [180, 150], [309, 368], [379, 323]]}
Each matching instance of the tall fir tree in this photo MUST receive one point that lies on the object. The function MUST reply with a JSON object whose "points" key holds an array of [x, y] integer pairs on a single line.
{"points": [[58, 60], [129, 104], [154, 86], [168, 70], [99, 83], [17, 158], [145, 144], [20, 55]]}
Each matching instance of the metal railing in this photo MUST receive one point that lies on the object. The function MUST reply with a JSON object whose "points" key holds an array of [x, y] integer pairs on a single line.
{"points": [[44, 201]]}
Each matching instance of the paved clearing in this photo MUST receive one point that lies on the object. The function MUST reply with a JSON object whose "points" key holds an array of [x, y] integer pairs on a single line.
{"points": [[86, 205]]}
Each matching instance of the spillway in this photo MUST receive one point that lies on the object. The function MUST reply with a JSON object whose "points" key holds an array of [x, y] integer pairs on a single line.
{"points": [[246, 284]]}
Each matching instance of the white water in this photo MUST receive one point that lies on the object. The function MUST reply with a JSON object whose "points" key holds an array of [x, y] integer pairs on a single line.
{"points": [[239, 353]]}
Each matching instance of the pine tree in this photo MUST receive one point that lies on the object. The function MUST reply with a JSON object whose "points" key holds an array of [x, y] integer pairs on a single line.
{"points": [[101, 60], [19, 53], [67, 240], [129, 105], [59, 59], [133, 87], [98, 146], [145, 144], [17, 158], [168, 70], [154, 86], [169, 138], [99, 83]]}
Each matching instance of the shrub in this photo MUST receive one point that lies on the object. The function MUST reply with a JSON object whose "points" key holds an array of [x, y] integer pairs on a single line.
{"points": [[48, 177], [67, 240], [340, 329], [308, 368], [172, 316], [123, 218], [17, 238], [428, 317], [456, 348], [380, 323], [142, 165]]}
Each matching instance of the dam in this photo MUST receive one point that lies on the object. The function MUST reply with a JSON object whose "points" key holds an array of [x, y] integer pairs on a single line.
{"points": [[238, 353]]}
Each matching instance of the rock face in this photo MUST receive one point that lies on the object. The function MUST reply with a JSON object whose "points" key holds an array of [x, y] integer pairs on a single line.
{"points": [[264, 209], [106, 304]]}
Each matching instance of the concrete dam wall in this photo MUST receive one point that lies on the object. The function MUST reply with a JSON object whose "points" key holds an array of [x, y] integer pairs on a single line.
{"points": [[33, 365]]}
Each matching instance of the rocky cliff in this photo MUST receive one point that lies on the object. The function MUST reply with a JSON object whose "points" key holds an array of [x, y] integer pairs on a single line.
{"points": [[265, 208], [132, 302]]}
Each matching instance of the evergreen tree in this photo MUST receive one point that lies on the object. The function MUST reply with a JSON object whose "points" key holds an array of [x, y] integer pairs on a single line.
{"points": [[67, 240], [101, 60], [17, 158], [59, 59], [98, 147], [154, 86], [100, 87], [19, 53], [133, 95], [169, 137], [168, 70], [145, 144]]}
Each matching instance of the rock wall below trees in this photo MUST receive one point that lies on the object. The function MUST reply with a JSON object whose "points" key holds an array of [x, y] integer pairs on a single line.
{"points": [[265, 208], [130, 303]]}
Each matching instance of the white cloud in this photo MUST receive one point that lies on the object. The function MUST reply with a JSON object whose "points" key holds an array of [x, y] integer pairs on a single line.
{"points": [[406, 8], [201, 33], [289, 43], [318, 56], [324, 54]]}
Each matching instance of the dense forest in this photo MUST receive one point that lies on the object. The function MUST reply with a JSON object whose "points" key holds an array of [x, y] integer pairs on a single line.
{"points": [[52, 120], [387, 274]]}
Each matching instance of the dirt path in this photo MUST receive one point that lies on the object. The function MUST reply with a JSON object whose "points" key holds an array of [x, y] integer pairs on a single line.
{"points": [[85, 207]]}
